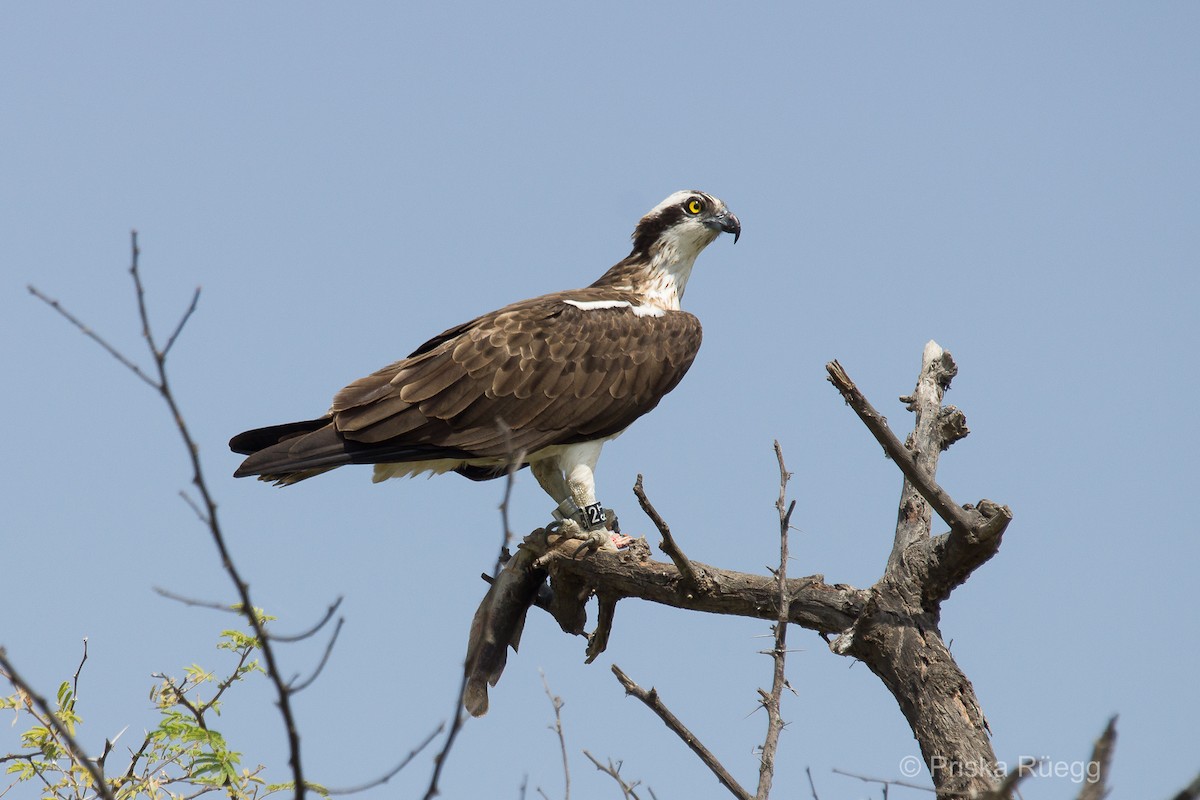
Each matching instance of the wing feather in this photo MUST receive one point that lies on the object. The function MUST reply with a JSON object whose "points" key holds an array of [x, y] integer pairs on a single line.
{"points": [[553, 372]]}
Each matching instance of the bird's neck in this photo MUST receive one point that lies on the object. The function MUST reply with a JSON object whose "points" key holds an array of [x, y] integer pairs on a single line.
{"points": [[659, 276]]}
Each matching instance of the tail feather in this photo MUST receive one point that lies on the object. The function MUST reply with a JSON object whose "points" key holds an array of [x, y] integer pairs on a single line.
{"points": [[250, 442], [286, 454], [290, 452]]}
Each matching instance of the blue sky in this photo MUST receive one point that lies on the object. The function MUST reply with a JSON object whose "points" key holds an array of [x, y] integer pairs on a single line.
{"points": [[1018, 181]]}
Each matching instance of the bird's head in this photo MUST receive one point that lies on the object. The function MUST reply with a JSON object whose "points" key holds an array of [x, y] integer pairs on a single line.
{"points": [[686, 223]]}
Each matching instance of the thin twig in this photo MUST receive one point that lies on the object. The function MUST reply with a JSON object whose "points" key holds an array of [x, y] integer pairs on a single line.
{"points": [[192, 601], [88, 332], [655, 704], [687, 573], [78, 670], [557, 702], [772, 701], [614, 770], [51, 719], [194, 506], [191, 309], [392, 772], [812, 786], [884, 781], [299, 637], [299, 687], [439, 761]]}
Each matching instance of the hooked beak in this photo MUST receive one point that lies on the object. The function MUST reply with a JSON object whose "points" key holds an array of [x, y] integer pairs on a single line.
{"points": [[726, 221]]}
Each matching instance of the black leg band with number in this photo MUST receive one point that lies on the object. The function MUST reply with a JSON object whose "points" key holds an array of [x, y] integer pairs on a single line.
{"points": [[593, 516], [590, 517]]}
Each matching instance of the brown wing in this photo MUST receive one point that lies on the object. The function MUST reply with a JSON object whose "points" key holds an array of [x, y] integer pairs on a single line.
{"points": [[552, 372]]}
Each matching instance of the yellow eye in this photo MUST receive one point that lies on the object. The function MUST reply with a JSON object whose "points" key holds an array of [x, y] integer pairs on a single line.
{"points": [[695, 205]]}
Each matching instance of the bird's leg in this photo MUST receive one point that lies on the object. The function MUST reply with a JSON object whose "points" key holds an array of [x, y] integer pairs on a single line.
{"points": [[573, 499], [597, 525]]}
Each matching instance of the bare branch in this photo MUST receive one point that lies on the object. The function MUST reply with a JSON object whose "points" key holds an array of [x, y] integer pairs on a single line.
{"points": [[191, 309], [298, 637], [299, 687], [192, 601], [614, 770], [772, 701], [95, 337], [885, 782], [394, 770], [953, 514], [439, 761], [557, 702], [79, 669], [1095, 785], [812, 786], [207, 508], [1189, 792], [60, 730], [690, 578], [652, 701], [897, 636]]}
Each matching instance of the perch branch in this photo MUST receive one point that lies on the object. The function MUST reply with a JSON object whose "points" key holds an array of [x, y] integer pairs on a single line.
{"points": [[813, 604]]}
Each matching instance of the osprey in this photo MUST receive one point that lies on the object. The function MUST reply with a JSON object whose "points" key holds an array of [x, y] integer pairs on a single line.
{"points": [[552, 378]]}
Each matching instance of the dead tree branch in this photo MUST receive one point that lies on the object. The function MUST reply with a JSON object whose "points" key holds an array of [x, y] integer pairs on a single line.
{"points": [[897, 636], [655, 704], [1095, 785]]}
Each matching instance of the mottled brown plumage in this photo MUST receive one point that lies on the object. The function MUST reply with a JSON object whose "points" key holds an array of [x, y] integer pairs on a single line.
{"points": [[536, 376], [552, 372]]}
